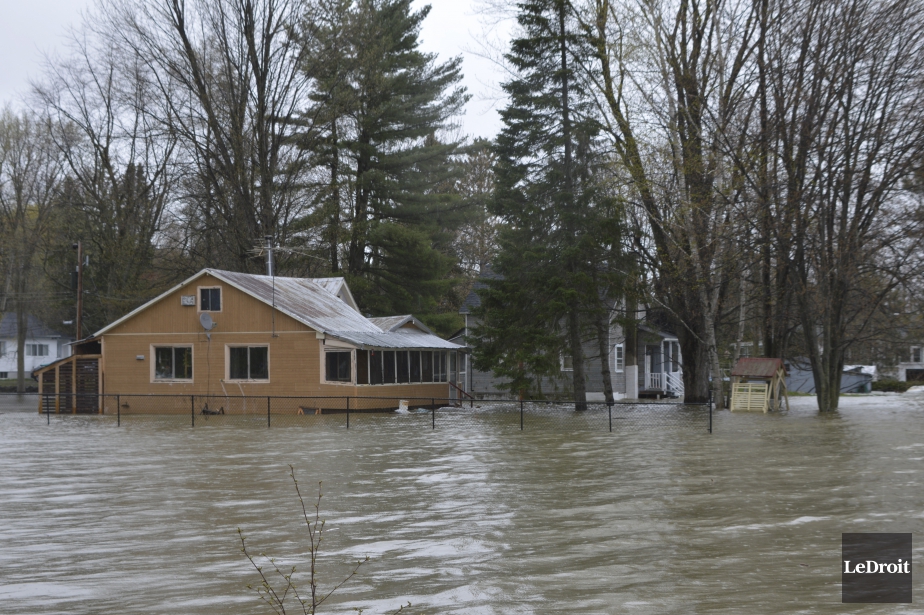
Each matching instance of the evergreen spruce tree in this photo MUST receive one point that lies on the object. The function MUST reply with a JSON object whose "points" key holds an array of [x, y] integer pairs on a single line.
{"points": [[559, 223], [392, 205]]}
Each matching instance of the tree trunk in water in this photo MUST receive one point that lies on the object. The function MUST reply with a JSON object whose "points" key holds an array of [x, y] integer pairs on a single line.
{"points": [[695, 368], [577, 360], [601, 323]]}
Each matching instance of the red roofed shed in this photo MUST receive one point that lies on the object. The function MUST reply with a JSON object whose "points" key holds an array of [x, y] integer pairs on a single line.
{"points": [[756, 384]]}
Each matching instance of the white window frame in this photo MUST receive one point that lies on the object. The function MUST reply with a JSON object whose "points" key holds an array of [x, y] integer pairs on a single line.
{"points": [[918, 349], [35, 349], [352, 351], [561, 357], [619, 358], [192, 355], [221, 294], [269, 365]]}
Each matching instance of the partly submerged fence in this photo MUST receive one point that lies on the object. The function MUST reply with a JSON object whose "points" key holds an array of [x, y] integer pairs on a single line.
{"points": [[354, 412]]}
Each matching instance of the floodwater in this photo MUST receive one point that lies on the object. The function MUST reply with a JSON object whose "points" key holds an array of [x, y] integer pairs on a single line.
{"points": [[480, 518]]}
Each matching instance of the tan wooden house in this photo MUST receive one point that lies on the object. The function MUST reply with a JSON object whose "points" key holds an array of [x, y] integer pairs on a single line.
{"points": [[221, 333]]}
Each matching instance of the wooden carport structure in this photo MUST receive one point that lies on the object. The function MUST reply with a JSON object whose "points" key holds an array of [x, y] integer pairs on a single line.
{"points": [[756, 384], [72, 384]]}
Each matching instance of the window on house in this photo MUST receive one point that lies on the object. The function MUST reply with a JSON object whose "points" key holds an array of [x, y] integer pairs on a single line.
{"points": [[173, 363], [915, 354], [404, 375], [36, 350], [2, 348], [388, 369], [414, 356], [209, 299], [440, 364], [619, 357], [248, 363], [362, 367], [4, 375], [567, 363], [426, 366], [338, 366]]}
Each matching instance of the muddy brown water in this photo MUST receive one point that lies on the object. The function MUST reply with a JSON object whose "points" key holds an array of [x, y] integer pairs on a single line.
{"points": [[475, 518]]}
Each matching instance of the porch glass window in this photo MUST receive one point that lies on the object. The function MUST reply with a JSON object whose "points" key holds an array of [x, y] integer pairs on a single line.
{"points": [[414, 356], [426, 366], [173, 363], [388, 360], [404, 375], [338, 366], [362, 367], [248, 363]]}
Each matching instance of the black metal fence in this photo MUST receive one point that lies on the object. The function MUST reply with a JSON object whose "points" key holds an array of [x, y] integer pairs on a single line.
{"points": [[362, 412]]}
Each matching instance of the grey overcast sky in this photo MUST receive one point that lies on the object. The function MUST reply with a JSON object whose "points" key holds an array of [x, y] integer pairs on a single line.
{"points": [[30, 28]]}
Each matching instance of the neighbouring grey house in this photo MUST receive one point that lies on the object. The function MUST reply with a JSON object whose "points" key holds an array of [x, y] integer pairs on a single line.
{"points": [[854, 378], [660, 371], [43, 345], [913, 369]]}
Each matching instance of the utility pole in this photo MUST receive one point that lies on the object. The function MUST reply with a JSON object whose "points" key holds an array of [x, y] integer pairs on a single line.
{"points": [[79, 247], [269, 255]]}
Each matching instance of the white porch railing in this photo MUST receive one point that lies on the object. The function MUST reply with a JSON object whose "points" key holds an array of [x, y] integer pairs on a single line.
{"points": [[675, 382], [655, 381]]}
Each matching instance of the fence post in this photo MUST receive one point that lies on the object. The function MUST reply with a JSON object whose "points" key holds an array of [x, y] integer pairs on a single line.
{"points": [[192, 409], [710, 410], [267, 411], [433, 413], [348, 412], [118, 410], [48, 411], [609, 407], [521, 415]]}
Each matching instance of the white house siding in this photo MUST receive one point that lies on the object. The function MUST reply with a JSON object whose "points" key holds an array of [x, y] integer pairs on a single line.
{"points": [[36, 335]]}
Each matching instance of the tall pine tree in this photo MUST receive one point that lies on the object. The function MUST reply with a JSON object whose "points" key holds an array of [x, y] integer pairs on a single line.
{"points": [[560, 226], [391, 205]]}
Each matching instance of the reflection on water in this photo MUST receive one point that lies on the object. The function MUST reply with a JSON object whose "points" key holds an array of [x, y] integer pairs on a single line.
{"points": [[481, 519]]}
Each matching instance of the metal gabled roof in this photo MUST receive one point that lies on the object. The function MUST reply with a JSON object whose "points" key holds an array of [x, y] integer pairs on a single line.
{"points": [[302, 299], [393, 323], [404, 338], [337, 287], [305, 300], [315, 305]]}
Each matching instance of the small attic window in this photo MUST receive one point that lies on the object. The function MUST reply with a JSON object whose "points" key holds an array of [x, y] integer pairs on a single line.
{"points": [[210, 299]]}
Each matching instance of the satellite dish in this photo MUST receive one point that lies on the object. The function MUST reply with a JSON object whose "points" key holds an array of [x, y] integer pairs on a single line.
{"points": [[206, 321]]}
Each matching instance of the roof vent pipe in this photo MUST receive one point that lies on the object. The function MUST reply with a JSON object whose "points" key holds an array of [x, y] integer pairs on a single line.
{"points": [[269, 255]]}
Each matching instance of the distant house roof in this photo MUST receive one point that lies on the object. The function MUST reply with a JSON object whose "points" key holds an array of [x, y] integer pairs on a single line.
{"points": [[34, 327], [473, 300], [754, 367], [316, 305]]}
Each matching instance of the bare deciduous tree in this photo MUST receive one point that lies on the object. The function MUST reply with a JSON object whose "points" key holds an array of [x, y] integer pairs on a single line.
{"points": [[29, 181]]}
